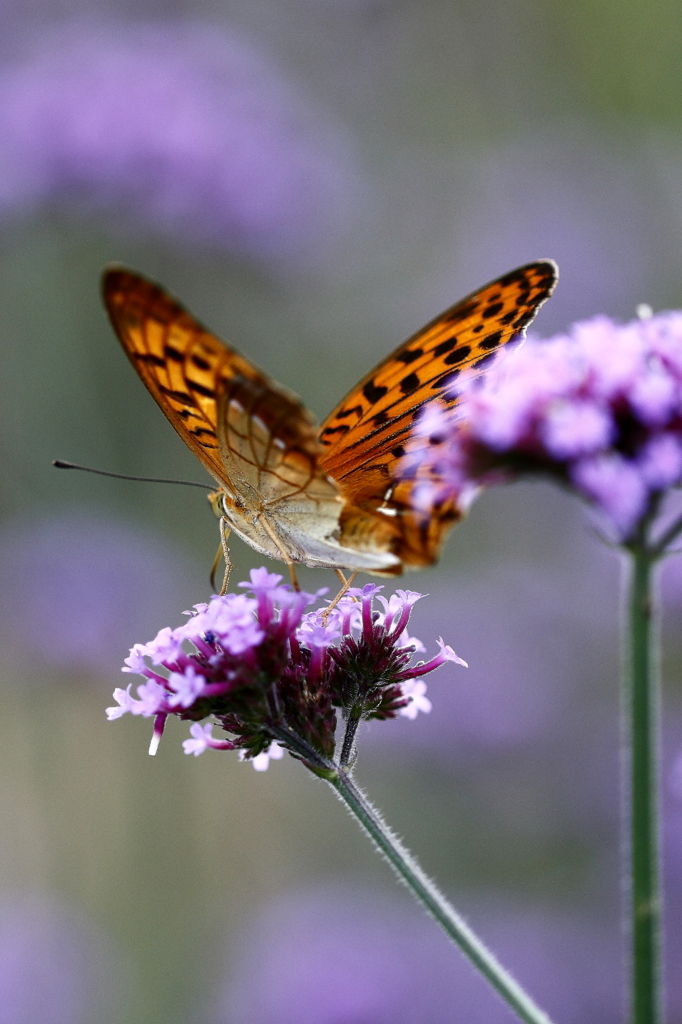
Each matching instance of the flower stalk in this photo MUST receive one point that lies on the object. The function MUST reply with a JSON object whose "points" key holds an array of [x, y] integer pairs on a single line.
{"points": [[641, 712], [433, 901]]}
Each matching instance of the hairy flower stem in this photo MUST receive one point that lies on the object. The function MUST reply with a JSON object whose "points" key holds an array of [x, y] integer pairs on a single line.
{"points": [[316, 762], [409, 871], [641, 706], [348, 747]]}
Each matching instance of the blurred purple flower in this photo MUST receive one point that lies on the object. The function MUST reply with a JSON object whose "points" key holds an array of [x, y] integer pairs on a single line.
{"points": [[185, 127], [599, 410], [54, 968], [675, 779], [73, 588], [350, 956], [586, 196], [535, 650]]}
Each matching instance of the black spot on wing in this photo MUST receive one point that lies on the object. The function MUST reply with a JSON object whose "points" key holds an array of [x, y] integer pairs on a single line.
{"points": [[374, 392], [512, 277], [463, 312], [357, 409], [150, 357], [200, 363], [492, 341], [445, 346], [546, 279], [173, 354], [409, 384], [194, 385], [409, 355], [342, 428], [179, 396], [491, 311], [458, 355]]}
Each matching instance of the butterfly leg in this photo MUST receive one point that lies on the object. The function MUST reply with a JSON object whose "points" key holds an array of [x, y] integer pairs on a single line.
{"points": [[294, 578], [346, 584], [283, 552], [224, 534], [225, 552]]}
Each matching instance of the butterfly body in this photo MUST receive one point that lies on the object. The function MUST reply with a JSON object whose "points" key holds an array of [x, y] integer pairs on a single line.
{"points": [[309, 533], [331, 496]]}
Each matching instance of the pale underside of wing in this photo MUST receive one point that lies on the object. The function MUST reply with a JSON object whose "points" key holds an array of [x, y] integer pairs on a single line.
{"points": [[283, 503], [365, 436]]}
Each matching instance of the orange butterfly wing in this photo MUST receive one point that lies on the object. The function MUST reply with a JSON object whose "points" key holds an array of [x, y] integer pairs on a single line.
{"points": [[176, 358], [239, 423], [252, 435], [365, 436]]}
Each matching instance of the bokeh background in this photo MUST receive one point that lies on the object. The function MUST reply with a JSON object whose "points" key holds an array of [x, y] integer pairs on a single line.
{"points": [[316, 179]]}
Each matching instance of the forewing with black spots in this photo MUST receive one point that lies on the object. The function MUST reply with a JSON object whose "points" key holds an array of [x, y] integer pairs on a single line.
{"points": [[365, 435]]}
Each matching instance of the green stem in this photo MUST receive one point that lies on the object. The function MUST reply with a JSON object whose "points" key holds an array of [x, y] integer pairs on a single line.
{"points": [[312, 759], [641, 710], [435, 903]]}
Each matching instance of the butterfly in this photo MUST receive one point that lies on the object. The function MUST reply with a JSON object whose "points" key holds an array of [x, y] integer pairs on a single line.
{"points": [[330, 496]]}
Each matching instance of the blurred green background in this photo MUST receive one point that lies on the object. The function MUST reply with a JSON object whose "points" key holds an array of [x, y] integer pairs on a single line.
{"points": [[315, 179]]}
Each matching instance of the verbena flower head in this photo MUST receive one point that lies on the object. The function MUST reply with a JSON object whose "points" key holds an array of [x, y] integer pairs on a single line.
{"points": [[599, 408], [271, 673]]}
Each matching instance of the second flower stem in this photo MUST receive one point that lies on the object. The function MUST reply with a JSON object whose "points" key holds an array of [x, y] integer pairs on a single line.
{"points": [[641, 731], [405, 865]]}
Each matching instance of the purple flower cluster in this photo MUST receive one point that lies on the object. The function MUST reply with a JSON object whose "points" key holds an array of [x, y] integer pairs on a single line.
{"points": [[599, 408], [272, 674]]}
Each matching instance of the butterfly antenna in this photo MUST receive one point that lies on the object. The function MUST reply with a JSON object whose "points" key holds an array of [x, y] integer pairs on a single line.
{"points": [[62, 464]]}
